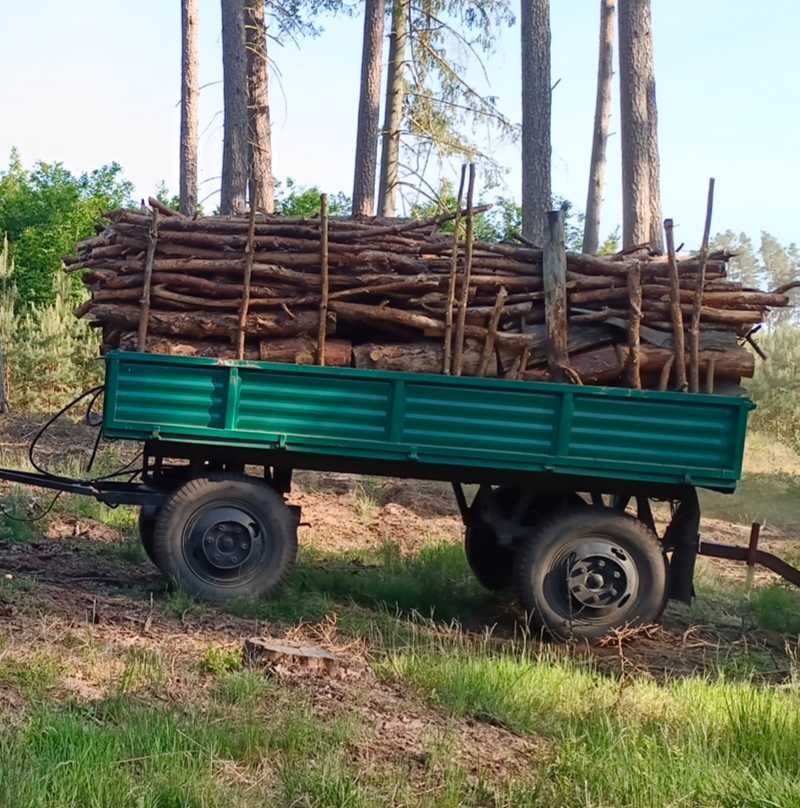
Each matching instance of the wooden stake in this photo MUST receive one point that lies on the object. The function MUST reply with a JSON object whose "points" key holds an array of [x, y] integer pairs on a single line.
{"points": [[491, 334], [451, 288], [710, 368], [663, 379], [675, 309], [634, 379], [554, 275], [469, 236], [324, 279], [694, 330], [523, 361], [249, 258], [144, 316]]}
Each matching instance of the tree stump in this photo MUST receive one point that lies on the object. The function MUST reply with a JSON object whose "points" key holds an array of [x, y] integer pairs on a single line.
{"points": [[285, 656]]}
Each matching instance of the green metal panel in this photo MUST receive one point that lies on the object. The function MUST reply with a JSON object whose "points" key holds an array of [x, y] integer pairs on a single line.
{"points": [[492, 424]]}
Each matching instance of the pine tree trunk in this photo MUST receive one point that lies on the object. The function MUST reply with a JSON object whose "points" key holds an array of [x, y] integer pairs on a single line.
{"points": [[395, 96], [234, 77], [189, 107], [536, 194], [641, 186], [259, 126], [369, 107], [602, 116]]}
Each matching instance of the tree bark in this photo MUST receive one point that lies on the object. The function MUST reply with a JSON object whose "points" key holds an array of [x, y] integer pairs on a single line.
{"points": [[641, 184], [393, 115], [369, 108], [420, 357], [235, 92], [190, 89], [602, 117], [536, 96], [259, 125], [200, 325]]}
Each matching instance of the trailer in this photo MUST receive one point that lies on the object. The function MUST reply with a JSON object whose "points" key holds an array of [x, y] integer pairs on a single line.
{"points": [[561, 478]]}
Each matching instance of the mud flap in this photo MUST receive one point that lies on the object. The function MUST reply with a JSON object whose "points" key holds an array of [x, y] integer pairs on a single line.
{"points": [[682, 537]]}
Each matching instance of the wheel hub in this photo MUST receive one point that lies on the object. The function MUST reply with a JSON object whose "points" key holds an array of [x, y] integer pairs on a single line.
{"points": [[600, 574], [226, 537]]}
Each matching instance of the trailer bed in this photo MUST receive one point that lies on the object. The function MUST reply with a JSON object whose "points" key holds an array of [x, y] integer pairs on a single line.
{"points": [[424, 420]]}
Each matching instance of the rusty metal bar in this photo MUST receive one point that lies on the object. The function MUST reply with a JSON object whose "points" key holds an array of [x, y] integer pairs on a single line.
{"points": [[768, 560]]}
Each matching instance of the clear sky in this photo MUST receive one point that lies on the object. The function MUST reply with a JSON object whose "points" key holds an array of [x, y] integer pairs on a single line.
{"points": [[93, 81]]}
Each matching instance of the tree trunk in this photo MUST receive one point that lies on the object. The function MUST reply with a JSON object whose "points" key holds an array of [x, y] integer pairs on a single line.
{"points": [[602, 116], [259, 126], [395, 96], [536, 195], [190, 88], [369, 108], [641, 185], [234, 79], [420, 357]]}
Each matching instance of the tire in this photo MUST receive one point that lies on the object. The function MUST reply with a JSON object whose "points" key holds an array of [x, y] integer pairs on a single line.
{"points": [[492, 563], [587, 571], [225, 536], [147, 528]]}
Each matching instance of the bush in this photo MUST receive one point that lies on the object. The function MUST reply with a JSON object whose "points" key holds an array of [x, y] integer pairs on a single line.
{"points": [[50, 355], [776, 383]]}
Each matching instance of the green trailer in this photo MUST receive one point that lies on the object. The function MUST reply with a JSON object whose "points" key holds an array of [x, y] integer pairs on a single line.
{"points": [[563, 476]]}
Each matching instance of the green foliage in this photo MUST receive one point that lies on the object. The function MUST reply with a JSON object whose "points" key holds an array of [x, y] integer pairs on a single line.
{"points": [[775, 385], [45, 211], [51, 355], [294, 200]]}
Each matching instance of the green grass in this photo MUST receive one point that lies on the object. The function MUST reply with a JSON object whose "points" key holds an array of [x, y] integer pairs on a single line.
{"points": [[770, 498], [436, 583], [632, 742], [32, 676]]}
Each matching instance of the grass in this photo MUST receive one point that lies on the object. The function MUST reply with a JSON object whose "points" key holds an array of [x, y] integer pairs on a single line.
{"points": [[625, 742], [435, 583]]}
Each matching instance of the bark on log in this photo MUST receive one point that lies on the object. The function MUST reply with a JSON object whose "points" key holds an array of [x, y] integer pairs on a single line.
{"points": [[420, 357], [554, 271], [207, 324]]}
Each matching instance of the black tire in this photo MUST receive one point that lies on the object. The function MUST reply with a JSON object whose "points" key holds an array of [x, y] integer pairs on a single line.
{"points": [[147, 528], [587, 571], [225, 536], [492, 563]]}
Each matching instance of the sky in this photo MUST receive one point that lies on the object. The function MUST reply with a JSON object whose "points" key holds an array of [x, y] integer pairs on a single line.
{"points": [[95, 81]]}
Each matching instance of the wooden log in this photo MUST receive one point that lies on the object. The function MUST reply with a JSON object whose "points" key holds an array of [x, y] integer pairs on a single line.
{"points": [[420, 357], [676, 314], [303, 351], [663, 378], [491, 334], [177, 346], [634, 322], [451, 286], [607, 364], [694, 329], [554, 273], [201, 325], [324, 279], [293, 350], [469, 246]]}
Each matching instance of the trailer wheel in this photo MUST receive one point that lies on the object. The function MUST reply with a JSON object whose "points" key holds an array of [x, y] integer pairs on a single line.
{"points": [[492, 562], [225, 536], [147, 527], [587, 571]]}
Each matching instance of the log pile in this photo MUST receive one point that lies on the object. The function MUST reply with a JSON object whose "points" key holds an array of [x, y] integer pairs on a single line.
{"points": [[390, 294]]}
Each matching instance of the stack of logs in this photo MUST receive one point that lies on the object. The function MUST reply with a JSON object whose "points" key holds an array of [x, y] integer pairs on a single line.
{"points": [[406, 295]]}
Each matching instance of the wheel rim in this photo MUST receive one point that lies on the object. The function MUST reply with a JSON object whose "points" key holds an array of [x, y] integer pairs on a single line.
{"points": [[224, 543], [592, 580]]}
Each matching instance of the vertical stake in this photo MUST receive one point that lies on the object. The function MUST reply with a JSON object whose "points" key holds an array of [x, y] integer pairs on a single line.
{"points": [[323, 279], [248, 274], [144, 312]]}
